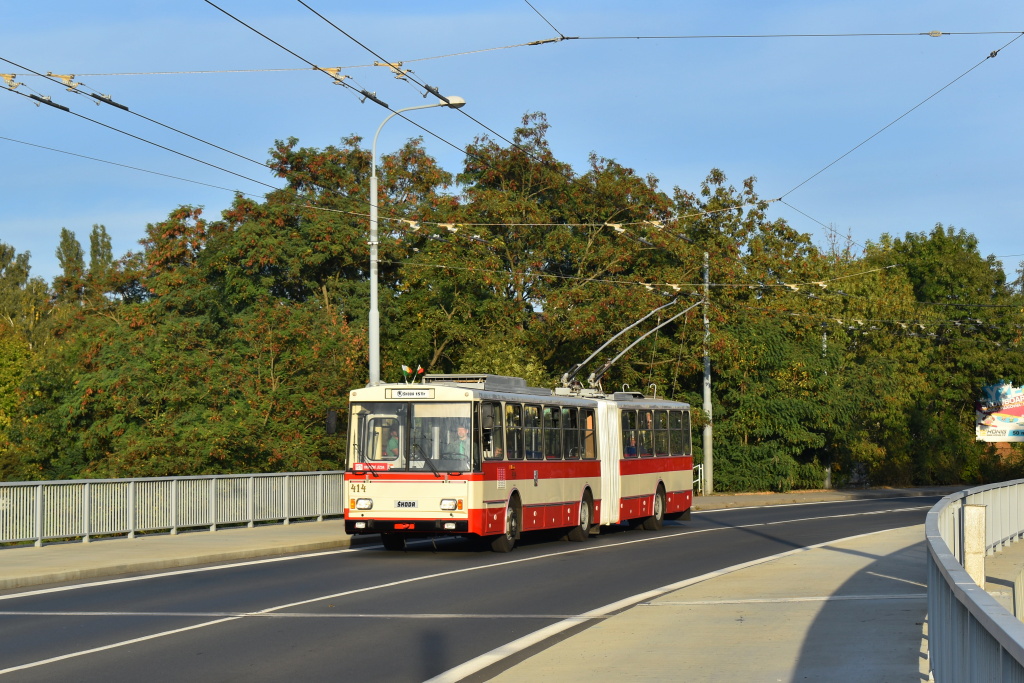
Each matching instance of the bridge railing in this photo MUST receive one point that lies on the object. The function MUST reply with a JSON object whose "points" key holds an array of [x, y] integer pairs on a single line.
{"points": [[971, 637], [83, 508]]}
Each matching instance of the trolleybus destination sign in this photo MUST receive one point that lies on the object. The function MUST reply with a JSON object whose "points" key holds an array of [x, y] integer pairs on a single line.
{"points": [[410, 393]]}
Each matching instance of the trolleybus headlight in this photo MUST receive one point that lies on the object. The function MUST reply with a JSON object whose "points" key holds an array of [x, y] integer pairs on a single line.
{"points": [[364, 503], [451, 504]]}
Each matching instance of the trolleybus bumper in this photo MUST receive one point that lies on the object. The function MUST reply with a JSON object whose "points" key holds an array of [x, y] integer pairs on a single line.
{"points": [[421, 526]]}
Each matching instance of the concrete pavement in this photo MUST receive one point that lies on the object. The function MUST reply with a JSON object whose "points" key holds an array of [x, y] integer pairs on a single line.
{"points": [[846, 611]]}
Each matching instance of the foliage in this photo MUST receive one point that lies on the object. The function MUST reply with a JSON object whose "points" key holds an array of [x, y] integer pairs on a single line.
{"points": [[219, 345]]}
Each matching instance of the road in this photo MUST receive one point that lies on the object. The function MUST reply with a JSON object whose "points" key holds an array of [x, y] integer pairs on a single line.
{"points": [[370, 614]]}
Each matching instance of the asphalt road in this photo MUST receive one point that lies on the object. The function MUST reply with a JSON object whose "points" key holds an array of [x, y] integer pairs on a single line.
{"points": [[368, 614]]}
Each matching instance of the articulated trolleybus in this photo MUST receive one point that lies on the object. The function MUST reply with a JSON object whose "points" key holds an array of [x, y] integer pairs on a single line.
{"points": [[490, 457]]}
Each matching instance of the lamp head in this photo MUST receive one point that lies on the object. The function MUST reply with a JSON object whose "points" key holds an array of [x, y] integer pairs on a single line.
{"points": [[454, 102]]}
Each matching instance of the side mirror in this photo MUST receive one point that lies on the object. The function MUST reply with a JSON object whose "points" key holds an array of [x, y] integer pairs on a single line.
{"points": [[332, 422]]}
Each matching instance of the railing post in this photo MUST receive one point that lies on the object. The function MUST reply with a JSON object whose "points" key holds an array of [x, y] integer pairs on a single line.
{"points": [[174, 507], [38, 514], [320, 497], [87, 512], [250, 503], [287, 498], [213, 504], [1018, 595], [974, 542], [131, 509]]}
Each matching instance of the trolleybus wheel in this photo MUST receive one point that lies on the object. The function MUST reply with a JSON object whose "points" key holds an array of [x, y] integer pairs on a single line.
{"points": [[506, 541], [581, 531], [393, 541], [654, 522]]}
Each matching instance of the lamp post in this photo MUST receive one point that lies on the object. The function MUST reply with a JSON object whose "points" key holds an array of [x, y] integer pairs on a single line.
{"points": [[374, 332]]}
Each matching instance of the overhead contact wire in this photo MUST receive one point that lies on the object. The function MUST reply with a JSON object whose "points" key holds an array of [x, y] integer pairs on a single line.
{"points": [[991, 55]]}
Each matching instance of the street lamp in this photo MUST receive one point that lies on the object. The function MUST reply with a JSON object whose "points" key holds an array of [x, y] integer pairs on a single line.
{"points": [[374, 340]]}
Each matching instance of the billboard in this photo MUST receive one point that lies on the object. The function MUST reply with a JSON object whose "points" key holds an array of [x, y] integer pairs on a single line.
{"points": [[999, 415]]}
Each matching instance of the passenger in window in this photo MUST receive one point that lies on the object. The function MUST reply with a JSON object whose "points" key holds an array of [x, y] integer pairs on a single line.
{"points": [[631, 448], [461, 445], [391, 451]]}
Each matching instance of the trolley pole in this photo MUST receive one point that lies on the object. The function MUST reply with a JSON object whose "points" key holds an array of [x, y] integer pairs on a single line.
{"points": [[709, 468]]}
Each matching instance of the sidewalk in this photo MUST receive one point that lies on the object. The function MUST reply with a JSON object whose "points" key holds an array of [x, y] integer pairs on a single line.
{"points": [[75, 561], [848, 611]]}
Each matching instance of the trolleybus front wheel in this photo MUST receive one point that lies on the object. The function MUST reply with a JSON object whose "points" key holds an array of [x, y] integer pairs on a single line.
{"points": [[506, 541]]}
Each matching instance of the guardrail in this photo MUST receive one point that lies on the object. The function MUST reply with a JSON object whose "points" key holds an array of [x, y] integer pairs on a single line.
{"points": [[46, 510], [971, 637]]}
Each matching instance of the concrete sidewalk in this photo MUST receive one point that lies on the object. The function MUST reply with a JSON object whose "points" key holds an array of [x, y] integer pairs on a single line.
{"points": [[847, 611], [75, 561]]}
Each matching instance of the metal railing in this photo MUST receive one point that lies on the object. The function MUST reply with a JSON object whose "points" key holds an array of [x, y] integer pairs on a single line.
{"points": [[971, 636], [46, 510]]}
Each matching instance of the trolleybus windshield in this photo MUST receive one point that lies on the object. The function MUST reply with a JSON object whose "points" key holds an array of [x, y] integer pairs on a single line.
{"points": [[410, 436]]}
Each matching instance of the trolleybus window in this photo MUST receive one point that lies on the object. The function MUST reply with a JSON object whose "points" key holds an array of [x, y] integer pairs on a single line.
{"points": [[493, 432], [589, 448], [411, 436], [630, 449], [661, 437], [570, 434], [552, 433], [679, 422], [645, 440], [532, 433], [514, 431]]}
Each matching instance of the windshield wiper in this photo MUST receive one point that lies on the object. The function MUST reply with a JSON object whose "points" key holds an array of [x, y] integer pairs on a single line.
{"points": [[359, 454], [427, 460]]}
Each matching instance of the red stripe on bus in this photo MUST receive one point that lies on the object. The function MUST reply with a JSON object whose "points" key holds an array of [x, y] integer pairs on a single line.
{"points": [[644, 465], [546, 469]]}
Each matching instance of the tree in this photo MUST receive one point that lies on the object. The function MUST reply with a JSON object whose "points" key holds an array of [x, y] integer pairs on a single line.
{"points": [[70, 284]]}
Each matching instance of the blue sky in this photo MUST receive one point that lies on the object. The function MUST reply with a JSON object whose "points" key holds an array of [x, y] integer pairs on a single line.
{"points": [[779, 109]]}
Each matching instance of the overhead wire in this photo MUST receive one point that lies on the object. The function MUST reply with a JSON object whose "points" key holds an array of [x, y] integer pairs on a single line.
{"points": [[534, 43], [991, 55], [931, 34], [560, 34], [141, 139], [406, 74], [133, 168], [109, 101]]}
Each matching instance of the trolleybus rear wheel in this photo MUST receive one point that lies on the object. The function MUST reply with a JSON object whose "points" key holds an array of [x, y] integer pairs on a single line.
{"points": [[581, 531], [654, 522]]}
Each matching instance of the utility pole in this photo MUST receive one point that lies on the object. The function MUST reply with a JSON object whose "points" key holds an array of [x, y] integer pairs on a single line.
{"points": [[709, 467]]}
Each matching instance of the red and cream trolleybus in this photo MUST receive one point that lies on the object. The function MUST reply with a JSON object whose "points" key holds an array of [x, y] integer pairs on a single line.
{"points": [[489, 456]]}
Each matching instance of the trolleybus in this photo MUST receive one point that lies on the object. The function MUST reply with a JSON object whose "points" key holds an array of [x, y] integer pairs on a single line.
{"points": [[490, 457]]}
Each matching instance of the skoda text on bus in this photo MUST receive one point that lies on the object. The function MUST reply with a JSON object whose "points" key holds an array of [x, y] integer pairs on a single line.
{"points": [[489, 456]]}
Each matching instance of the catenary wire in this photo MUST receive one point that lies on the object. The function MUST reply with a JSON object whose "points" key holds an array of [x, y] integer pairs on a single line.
{"points": [[414, 80], [141, 139], [133, 168], [991, 55], [562, 35]]}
